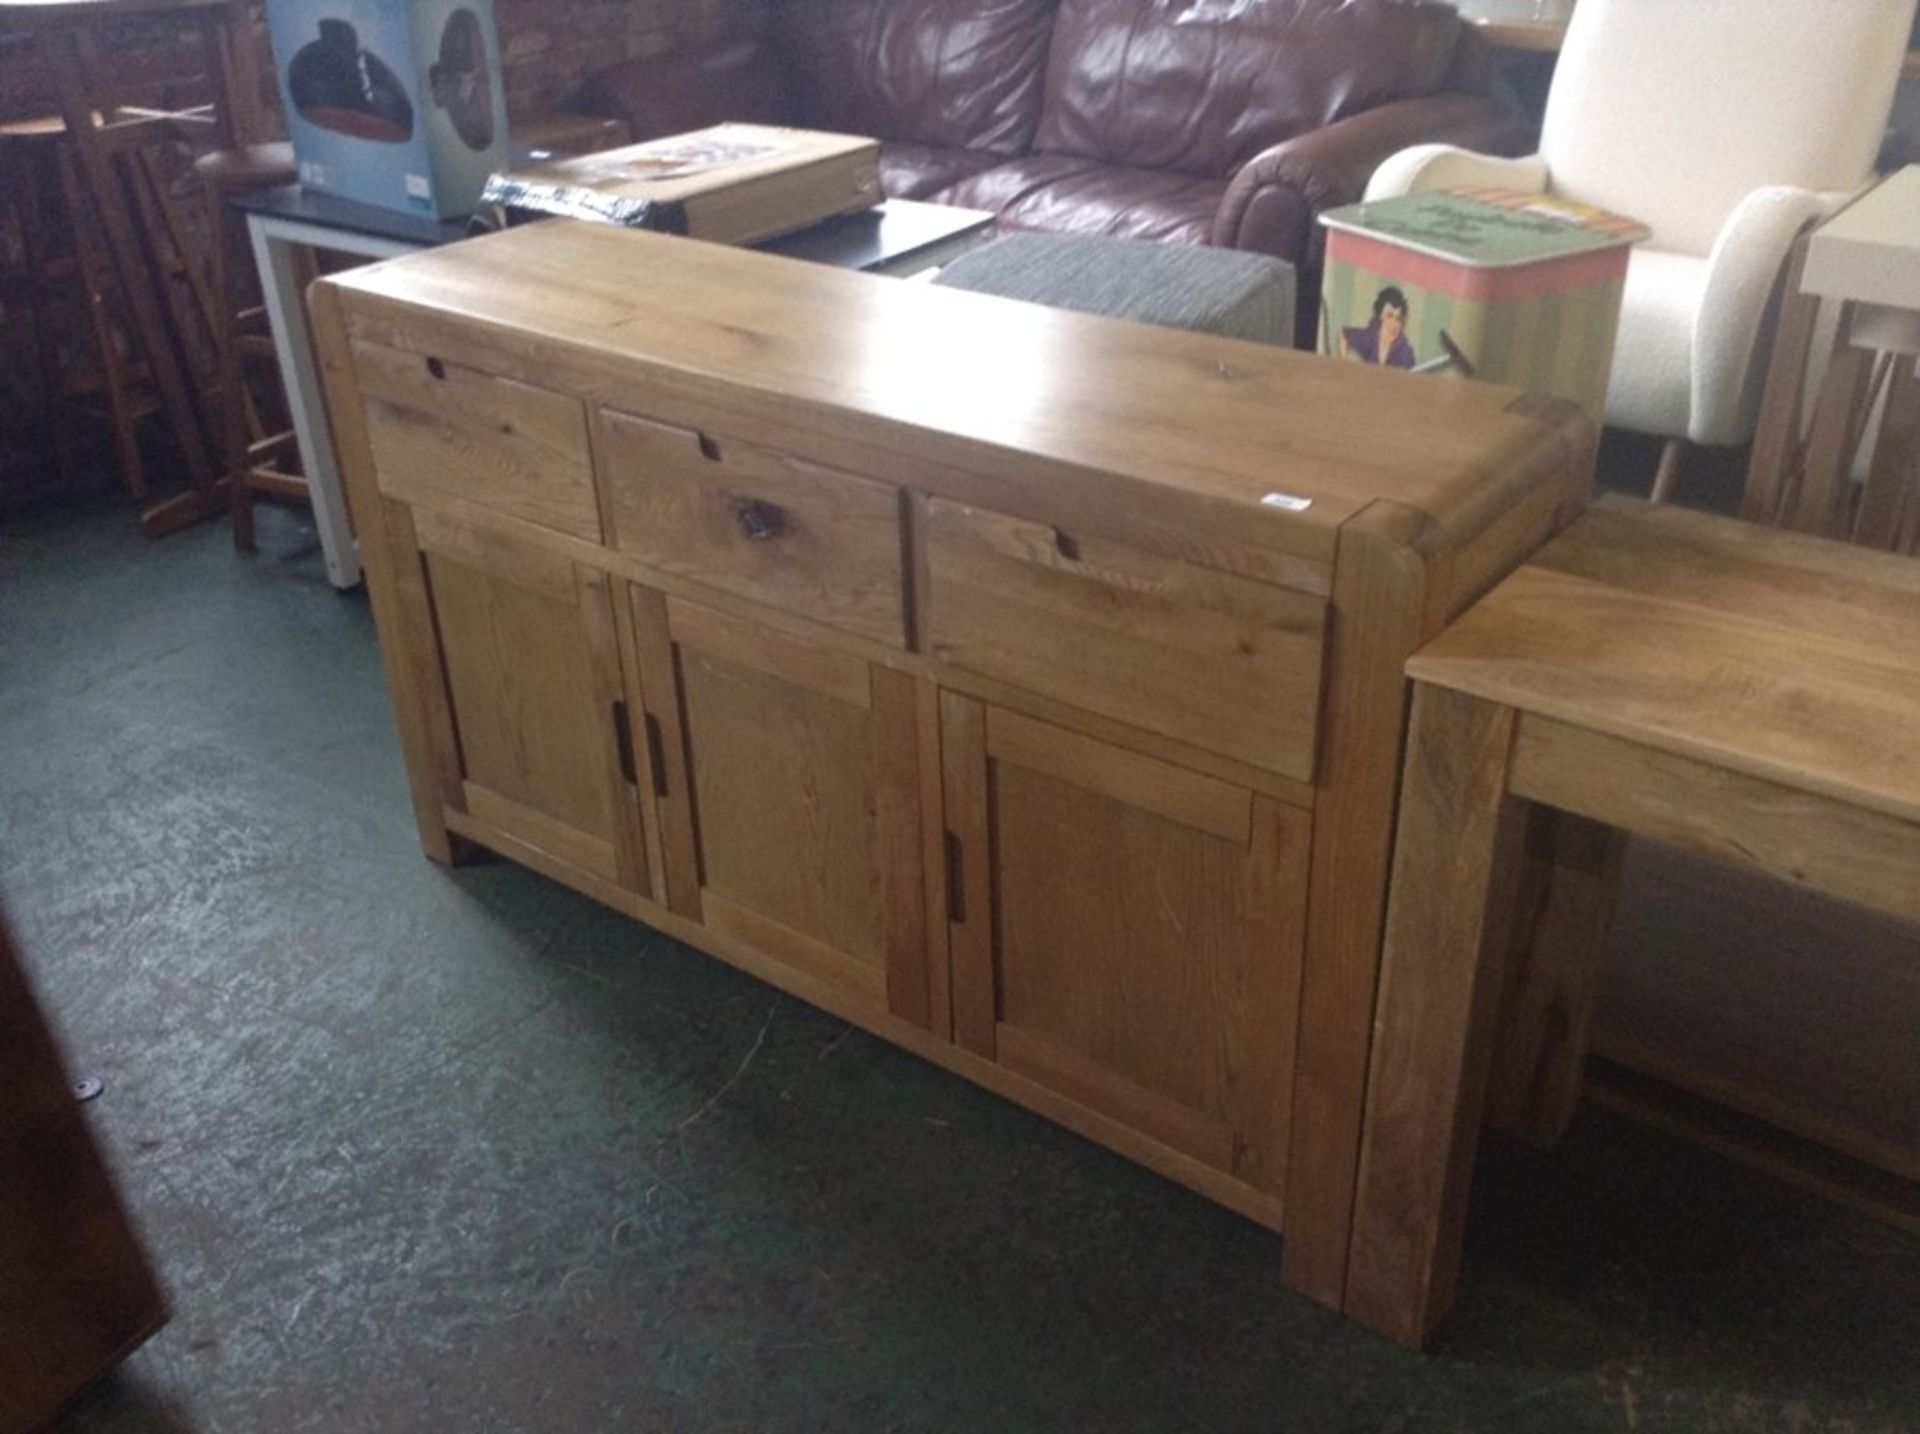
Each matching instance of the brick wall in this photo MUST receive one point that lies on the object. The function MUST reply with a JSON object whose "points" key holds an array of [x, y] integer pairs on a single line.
{"points": [[550, 47]]}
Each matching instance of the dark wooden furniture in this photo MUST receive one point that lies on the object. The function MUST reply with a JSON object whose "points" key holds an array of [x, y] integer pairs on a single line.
{"points": [[76, 1292], [1022, 686], [142, 243]]}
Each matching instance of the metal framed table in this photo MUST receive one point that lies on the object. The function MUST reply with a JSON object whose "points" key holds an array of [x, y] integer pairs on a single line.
{"points": [[899, 238]]}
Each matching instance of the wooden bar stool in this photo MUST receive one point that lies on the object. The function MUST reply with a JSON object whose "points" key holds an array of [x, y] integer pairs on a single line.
{"points": [[258, 449], [140, 239], [64, 271], [1865, 263], [1746, 695]]}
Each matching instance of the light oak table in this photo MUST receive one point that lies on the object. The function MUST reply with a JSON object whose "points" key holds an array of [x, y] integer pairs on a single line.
{"points": [[1742, 693], [1025, 687]]}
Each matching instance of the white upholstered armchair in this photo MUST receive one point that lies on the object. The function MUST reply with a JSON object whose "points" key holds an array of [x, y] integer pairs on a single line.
{"points": [[1727, 126]]}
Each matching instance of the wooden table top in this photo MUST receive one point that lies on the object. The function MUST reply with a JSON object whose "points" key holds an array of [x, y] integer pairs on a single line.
{"points": [[1785, 657], [1130, 414]]}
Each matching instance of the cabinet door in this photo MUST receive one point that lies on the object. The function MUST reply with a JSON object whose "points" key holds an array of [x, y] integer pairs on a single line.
{"points": [[1126, 932], [543, 750], [791, 808]]}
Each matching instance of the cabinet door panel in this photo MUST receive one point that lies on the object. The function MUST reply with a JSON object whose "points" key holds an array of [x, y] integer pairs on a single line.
{"points": [[1139, 949], [799, 769], [530, 656]]}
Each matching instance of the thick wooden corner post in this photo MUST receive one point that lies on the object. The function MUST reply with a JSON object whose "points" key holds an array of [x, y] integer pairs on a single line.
{"points": [[397, 585], [1380, 602], [1442, 977]]}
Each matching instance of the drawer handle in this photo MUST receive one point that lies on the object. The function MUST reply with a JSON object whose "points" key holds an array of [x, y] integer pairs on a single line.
{"points": [[761, 522], [1066, 545]]}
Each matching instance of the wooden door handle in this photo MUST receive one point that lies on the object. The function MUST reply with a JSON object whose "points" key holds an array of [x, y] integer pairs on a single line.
{"points": [[656, 753], [623, 737], [956, 880], [760, 521]]}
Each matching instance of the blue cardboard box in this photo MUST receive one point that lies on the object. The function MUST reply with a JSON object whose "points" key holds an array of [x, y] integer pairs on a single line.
{"points": [[393, 102]]}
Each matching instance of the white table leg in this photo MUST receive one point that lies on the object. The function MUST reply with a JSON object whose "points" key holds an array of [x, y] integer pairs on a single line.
{"points": [[274, 245]]}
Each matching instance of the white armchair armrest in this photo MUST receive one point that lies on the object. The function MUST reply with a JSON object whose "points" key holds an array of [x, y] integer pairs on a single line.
{"points": [[1443, 166], [1747, 257]]}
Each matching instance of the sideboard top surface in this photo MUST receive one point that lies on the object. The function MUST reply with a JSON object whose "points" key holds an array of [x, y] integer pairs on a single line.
{"points": [[1194, 428]]}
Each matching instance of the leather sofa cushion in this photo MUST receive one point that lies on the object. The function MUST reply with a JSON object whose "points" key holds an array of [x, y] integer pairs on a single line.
{"points": [[915, 171], [955, 74], [1202, 86], [1065, 194]]}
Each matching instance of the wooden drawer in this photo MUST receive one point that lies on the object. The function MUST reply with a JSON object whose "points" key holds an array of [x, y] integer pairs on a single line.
{"points": [[1219, 662], [440, 429], [746, 520]]}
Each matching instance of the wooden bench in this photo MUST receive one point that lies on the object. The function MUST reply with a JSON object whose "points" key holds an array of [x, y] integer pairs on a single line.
{"points": [[1746, 694]]}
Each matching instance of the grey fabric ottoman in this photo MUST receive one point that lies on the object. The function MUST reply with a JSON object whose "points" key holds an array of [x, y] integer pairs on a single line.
{"points": [[1180, 286]]}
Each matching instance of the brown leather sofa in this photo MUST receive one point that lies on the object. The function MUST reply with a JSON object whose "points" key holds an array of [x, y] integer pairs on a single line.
{"points": [[1229, 122]]}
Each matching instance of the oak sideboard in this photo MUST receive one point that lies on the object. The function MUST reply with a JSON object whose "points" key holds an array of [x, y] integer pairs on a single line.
{"points": [[1024, 687]]}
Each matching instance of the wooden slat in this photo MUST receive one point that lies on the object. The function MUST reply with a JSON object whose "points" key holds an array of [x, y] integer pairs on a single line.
{"points": [[1835, 434], [897, 758], [557, 839], [1260, 1104], [660, 683], [1379, 604], [933, 858], [1185, 797], [1836, 847], [1440, 986], [963, 756], [1893, 481], [818, 669], [795, 948], [1777, 450], [1560, 942], [1167, 1121], [396, 584]]}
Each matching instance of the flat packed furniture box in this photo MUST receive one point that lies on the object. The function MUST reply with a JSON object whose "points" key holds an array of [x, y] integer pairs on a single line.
{"points": [[731, 184], [1023, 686], [1513, 288]]}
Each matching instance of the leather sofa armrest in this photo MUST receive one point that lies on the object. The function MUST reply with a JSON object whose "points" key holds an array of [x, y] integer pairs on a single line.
{"points": [[691, 89], [1274, 200], [1273, 204]]}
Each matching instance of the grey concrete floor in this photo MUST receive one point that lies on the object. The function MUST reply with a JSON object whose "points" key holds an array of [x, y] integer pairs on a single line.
{"points": [[420, 1150]]}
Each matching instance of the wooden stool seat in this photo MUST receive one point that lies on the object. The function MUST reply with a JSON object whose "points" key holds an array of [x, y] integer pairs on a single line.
{"points": [[254, 166], [1741, 693]]}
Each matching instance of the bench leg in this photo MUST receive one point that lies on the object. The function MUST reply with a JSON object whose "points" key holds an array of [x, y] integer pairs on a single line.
{"points": [[1573, 873], [1449, 934]]}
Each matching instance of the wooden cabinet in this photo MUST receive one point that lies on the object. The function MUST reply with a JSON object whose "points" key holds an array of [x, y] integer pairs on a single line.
{"points": [[790, 798], [540, 743], [1126, 932], [1211, 659], [1026, 688]]}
